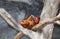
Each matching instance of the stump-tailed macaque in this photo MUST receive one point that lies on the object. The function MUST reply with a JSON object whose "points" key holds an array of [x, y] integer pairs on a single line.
{"points": [[27, 23]]}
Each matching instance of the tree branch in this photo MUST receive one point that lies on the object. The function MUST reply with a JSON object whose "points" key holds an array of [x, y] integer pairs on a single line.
{"points": [[46, 22], [49, 11], [10, 20]]}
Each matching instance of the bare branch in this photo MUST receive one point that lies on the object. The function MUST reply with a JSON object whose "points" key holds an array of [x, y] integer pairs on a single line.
{"points": [[46, 22], [18, 35], [25, 1], [49, 11], [57, 22], [10, 20]]}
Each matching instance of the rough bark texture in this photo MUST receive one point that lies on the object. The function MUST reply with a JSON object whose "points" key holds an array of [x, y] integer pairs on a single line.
{"points": [[48, 12], [18, 10]]}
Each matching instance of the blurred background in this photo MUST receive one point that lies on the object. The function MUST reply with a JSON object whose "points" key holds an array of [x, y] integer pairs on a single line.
{"points": [[20, 9]]}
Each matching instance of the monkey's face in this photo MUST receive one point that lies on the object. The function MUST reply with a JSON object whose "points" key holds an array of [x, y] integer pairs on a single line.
{"points": [[36, 20]]}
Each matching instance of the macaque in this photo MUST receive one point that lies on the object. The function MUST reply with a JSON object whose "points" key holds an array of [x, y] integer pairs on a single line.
{"points": [[27, 23]]}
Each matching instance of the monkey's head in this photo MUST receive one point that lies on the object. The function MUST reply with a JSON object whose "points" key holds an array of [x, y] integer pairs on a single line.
{"points": [[36, 19], [30, 22]]}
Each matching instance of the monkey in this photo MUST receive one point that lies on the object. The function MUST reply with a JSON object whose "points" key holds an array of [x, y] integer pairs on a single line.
{"points": [[27, 23]]}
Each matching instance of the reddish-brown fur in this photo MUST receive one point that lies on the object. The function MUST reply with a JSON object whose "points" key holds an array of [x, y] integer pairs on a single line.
{"points": [[29, 22]]}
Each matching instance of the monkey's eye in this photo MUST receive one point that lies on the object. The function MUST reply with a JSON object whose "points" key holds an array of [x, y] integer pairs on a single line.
{"points": [[22, 21]]}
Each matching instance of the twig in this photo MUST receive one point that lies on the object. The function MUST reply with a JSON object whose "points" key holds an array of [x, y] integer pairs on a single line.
{"points": [[46, 22], [18, 35]]}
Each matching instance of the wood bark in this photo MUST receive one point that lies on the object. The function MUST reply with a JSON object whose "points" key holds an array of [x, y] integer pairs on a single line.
{"points": [[49, 11]]}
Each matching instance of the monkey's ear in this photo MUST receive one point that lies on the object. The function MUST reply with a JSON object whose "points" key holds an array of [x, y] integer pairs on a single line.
{"points": [[29, 18]]}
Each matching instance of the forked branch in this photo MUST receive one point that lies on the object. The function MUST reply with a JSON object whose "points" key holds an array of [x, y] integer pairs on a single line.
{"points": [[11, 21], [46, 22], [14, 24]]}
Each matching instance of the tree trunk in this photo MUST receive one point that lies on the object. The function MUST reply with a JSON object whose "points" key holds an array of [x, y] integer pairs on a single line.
{"points": [[49, 11]]}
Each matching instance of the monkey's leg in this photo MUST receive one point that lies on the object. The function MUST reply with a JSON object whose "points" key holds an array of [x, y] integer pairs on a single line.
{"points": [[19, 35]]}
